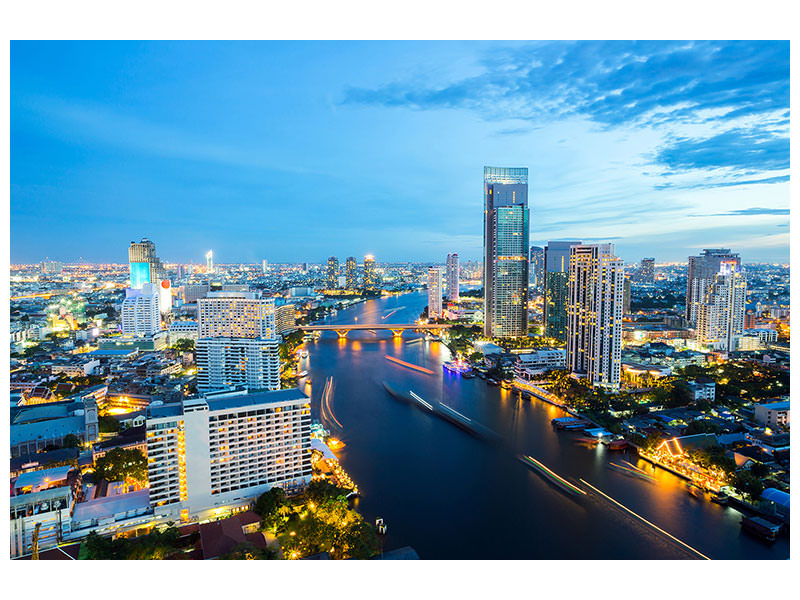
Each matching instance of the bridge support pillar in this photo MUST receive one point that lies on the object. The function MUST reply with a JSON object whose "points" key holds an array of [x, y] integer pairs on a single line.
{"points": [[398, 332], [342, 333]]}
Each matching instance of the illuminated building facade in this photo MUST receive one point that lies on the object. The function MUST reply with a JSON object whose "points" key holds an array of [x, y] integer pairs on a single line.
{"points": [[720, 317], [505, 239], [332, 273], [594, 314], [209, 262], [556, 278], [351, 273], [237, 342], [215, 454], [536, 267], [49, 267], [701, 272], [370, 276], [646, 272], [145, 266], [434, 293], [140, 311], [285, 319], [452, 277]]}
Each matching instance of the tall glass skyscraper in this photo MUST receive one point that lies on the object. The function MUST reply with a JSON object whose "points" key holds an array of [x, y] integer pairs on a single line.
{"points": [[556, 277], [505, 243], [332, 273], [145, 267]]}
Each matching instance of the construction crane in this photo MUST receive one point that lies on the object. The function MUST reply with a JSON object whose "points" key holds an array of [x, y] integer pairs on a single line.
{"points": [[35, 542]]}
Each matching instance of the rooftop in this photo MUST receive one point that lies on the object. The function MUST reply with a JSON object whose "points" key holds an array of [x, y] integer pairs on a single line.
{"points": [[108, 506], [45, 477], [256, 398]]}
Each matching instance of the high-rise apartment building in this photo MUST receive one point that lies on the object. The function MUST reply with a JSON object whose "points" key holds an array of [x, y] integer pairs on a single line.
{"points": [[332, 273], [351, 273], [236, 314], [237, 342], [701, 273], [213, 454], [720, 317], [452, 277], [370, 276], [264, 267], [594, 314], [434, 293], [224, 362], [536, 267], [646, 273], [556, 296], [505, 240], [285, 319], [145, 266], [140, 311]]}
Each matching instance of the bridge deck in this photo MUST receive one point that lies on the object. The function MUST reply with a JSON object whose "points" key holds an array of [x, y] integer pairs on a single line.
{"points": [[367, 326]]}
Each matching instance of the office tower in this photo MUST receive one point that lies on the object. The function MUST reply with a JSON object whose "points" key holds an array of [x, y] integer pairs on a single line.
{"points": [[285, 319], [720, 317], [646, 273], [237, 343], [370, 277], [215, 454], [51, 266], [626, 296], [536, 267], [209, 262], [434, 293], [505, 241], [452, 277], [145, 266], [264, 265], [594, 314], [140, 311], [332, 273], [351, 273], [179, 272], [701, 272], [556, 278]]}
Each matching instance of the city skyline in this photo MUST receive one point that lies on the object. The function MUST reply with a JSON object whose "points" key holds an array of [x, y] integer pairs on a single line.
{"points": [[663, 148]]}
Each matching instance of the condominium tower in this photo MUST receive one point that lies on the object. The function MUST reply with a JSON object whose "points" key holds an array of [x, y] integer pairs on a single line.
{"points": [[452, 277], [140, 311], [594, 314], [370, 277], [351, 273], [701, 273], [556, 296], [505, 241], [720, 317], [237, 342], [536, 267], [434, 293], [332, 273], [210, 455]]}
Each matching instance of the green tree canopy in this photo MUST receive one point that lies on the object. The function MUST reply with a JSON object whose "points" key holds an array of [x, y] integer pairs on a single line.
{"points": [[120, 464]]}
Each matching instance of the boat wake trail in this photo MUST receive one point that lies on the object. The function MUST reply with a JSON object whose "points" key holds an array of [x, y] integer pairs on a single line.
{"points": [[325, 402]]}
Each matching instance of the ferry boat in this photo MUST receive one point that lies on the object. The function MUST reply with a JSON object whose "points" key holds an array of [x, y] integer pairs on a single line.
{"points": [[550, 476], [491, 381], [719, 497], [506, 385], [455, 366], [302, 373], [617, 444], [695, 490], [758, 526]]}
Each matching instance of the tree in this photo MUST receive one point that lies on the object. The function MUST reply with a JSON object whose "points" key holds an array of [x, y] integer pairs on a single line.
{"points": [[71, 441], [247, 551], [359, 541], [268, 506], [120, 464], [184, 345], [108, 424], [748, 484]]}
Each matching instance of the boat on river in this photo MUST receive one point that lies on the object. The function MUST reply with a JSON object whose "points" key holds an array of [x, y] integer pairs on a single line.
{"points": [[720, 498], [760, 527], [696, 491], [550, 476]]}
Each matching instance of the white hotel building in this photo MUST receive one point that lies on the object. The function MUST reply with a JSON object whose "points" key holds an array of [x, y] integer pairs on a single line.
{"points": [[209, 455], [140, 312]]}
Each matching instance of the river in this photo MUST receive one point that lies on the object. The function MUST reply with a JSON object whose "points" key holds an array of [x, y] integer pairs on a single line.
{"points": [[453, 496]]}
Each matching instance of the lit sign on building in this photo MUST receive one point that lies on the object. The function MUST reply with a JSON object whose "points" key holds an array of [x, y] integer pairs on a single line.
{"points": [[140, 274]]}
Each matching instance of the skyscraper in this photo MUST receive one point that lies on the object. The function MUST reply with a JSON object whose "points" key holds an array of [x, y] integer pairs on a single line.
{"points": [[351, 273], [556, 296], [434, 292], [332, 273], [702, 270], [536, 267], [720, 317], [594, 314], [646, 273], [452, 277], [140, 312], [237, 343], [626, 296], [264, 265], [145, 266], [505, 241], [209, 261], [370, 277]]}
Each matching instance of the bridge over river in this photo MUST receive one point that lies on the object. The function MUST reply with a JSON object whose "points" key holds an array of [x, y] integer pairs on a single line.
{"points": [[396, 328]]}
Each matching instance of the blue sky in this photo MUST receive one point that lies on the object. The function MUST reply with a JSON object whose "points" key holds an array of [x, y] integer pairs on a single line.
{"points": [[294, 151]]}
